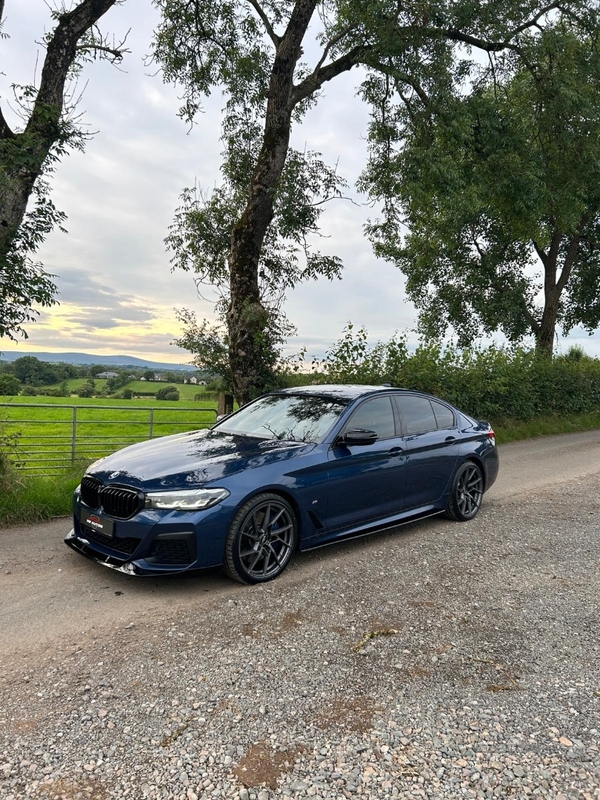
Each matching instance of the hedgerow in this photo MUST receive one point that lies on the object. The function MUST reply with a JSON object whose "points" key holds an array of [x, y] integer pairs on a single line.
{"points": [[486, 382]]}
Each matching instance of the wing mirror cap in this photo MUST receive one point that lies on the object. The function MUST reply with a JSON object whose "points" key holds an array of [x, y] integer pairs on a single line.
{"points": [[357, 436]]}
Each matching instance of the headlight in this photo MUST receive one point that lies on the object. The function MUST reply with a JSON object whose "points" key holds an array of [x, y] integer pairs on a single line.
{"points": [[186, 499]]}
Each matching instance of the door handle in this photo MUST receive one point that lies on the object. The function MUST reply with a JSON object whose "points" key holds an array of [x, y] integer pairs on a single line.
{"points": [[450, 439], [396, 451]]}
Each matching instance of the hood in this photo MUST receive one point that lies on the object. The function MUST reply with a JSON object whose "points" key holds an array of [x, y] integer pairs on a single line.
{"points": [[188, 460]]}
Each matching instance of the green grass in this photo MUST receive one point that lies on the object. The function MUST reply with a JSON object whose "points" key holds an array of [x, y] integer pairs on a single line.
{"points": [[44, 425], [516, 430], [187, 391], [27, 499]]}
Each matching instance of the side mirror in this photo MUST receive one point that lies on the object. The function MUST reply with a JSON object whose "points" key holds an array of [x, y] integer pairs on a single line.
{"points": [[357, 436]]}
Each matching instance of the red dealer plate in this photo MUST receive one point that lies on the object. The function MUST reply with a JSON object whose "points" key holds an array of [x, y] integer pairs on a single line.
{"points": [[98, 523]]}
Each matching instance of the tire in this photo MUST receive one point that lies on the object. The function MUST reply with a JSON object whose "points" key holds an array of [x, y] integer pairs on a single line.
{"points": [[467, 492], [261, 540]]}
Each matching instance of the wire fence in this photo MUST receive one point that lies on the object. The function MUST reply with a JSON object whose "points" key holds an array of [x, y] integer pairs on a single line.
{"points": [[48, 439]]}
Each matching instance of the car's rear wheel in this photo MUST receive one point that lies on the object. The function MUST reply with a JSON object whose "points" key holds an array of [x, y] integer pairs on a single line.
{"points": [[261, 540], [467, 492]]}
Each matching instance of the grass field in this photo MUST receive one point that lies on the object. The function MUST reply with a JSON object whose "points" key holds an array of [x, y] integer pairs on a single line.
{"points": [[44, 426], [187, 391]]}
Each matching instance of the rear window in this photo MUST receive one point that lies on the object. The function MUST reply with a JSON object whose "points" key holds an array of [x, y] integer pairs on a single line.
{"points": [[443, 415]]}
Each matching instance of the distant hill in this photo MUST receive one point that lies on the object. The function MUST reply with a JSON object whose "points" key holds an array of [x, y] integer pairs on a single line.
{"points": [[88, 359]]}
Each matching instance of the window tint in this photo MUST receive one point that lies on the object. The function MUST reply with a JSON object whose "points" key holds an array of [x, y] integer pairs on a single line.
{"points": [[417, 414], [374, 415], [444, 416]]}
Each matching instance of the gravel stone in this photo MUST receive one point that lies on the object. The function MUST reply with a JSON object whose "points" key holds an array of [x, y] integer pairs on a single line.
{"points": [[486, 685]]}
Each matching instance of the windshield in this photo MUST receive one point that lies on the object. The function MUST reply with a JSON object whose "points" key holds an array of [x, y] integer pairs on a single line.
{"points": [[293, 417]]}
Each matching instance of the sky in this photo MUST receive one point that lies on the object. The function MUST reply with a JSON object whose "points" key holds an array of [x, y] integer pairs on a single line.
{"points": [[117, 292]]}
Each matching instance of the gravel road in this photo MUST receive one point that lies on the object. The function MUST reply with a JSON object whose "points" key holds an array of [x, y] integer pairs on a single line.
{"points": [[442, 660]]}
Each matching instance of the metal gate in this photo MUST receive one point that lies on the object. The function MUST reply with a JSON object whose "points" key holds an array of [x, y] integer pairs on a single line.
{"points": [[49, 438]]}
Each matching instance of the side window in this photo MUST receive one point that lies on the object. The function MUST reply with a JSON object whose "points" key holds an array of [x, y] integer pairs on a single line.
{"points": [[374, 415], [417, 414], [443, 415]]}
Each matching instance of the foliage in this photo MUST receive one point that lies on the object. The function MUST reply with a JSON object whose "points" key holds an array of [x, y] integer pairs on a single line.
{"points": [[498, 185], [253, 53], [209, 345], [31, 370], [167, 393], [87, 389], [9, 385], [491, 382], [48, 128]]}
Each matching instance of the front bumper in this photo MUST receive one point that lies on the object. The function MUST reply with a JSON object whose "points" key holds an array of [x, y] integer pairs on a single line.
{"points": [[153, 542], [139, 567]]}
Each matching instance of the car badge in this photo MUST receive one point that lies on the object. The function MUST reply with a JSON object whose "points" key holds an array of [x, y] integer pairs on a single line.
{"points": [[113, 475]]}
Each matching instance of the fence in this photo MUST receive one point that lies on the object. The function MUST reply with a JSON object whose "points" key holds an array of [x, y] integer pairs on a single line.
{"points": [[48, 438]]}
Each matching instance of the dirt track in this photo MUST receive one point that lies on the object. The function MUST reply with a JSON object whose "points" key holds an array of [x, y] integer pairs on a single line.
{"points": [[49, 592]]}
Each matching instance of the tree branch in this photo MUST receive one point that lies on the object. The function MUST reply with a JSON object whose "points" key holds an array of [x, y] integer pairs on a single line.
{"points": [[313, 82], [534, 20], [571, 255], [60, 55], [265, 21], [474, 41], [542, 255], [331, 43]]}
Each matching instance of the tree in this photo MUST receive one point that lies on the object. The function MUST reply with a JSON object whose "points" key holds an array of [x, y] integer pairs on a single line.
{"points": [[9, 385], [30, 370], [30, 153], [500, 192], [251, 50]]}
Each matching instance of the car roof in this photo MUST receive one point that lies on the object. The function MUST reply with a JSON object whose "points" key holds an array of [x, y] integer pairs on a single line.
{"points": [[338, 391]]}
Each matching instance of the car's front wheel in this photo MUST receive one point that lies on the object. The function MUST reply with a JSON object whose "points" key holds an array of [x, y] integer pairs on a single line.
{"points": [[467, 492], [261, 540]]}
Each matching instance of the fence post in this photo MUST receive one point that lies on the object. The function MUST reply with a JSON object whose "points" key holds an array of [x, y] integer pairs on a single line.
{"points": [[151, 423], [225, 405], [74, 435]]}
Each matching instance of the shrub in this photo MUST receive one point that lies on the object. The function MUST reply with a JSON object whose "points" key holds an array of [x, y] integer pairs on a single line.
{"points": [[167, 393], [9, 384], [491, 382], [29, 391]]}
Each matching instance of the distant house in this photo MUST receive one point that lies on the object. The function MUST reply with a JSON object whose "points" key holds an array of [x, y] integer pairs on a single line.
{"points": [[107, 375]]}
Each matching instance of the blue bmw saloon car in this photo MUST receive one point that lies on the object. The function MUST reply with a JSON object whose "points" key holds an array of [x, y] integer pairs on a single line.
{"points": [[292, 470]]}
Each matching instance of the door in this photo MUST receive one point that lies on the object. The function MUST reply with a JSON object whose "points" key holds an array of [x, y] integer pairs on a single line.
{"points": [[366, 482], [431, 444]]}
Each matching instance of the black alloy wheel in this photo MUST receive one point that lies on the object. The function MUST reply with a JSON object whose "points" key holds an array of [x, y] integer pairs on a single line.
{"points": [[261, 540], [467, 492]]}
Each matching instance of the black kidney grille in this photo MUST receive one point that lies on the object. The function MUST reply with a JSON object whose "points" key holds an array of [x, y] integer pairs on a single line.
{"points": [[121, 502], [125, 546], [89, 491], [117, 501]]}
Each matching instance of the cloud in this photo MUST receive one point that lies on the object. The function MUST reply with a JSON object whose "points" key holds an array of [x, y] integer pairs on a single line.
{"points": [[117, 290]]}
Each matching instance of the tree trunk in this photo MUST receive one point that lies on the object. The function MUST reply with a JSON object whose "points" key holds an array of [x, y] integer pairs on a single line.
{"points": [[246, 316], [23, 155], [545, 334]]}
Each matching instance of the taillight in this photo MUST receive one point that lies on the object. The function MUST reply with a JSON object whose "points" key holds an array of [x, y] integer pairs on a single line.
{"points": [[492, 436]]}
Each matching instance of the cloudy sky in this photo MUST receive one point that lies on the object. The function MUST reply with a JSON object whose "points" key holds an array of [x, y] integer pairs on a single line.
{"points": [[116, 290]]}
